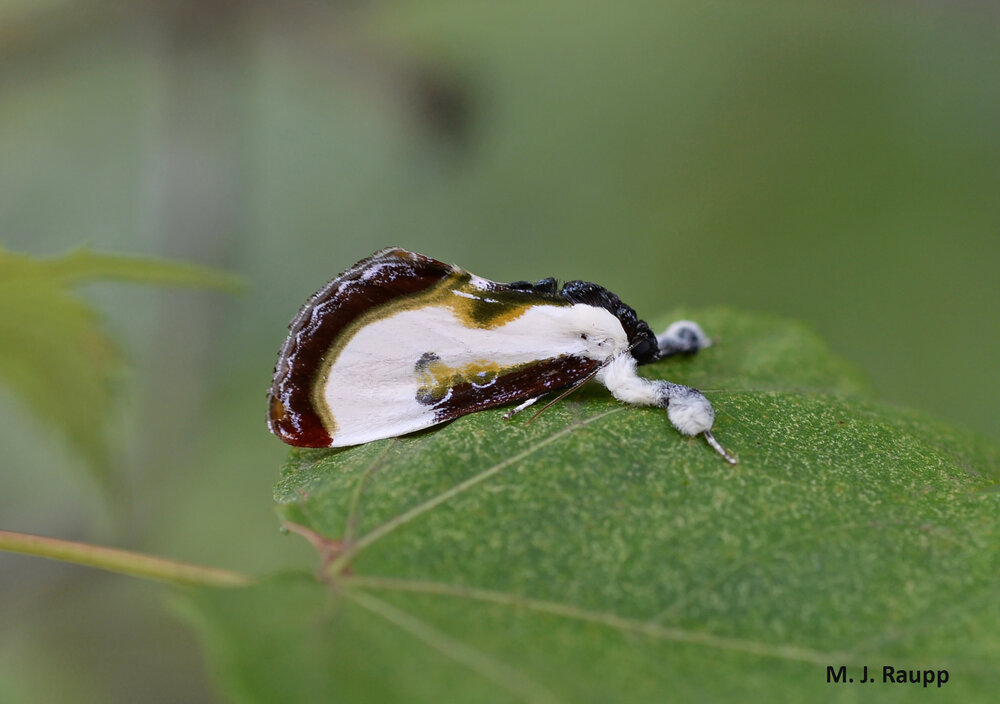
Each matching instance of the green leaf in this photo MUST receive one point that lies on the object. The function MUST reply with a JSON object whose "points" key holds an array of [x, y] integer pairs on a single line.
{"points": [[84, 265], [54, 354], [596, 555]]}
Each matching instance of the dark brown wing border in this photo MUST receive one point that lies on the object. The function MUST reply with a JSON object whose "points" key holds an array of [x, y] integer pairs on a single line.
{"points": [[527, 382], [381, 278]]}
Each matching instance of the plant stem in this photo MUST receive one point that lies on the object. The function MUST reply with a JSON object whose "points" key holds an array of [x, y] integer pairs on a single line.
{"points": [[135, 564]]}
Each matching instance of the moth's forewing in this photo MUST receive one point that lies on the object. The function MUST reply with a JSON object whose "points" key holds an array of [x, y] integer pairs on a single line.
{"points": [[401, 341], [381, 278]]}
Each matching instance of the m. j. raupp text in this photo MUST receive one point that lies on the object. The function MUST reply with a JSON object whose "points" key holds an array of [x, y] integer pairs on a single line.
{"points": [[890, 675]]}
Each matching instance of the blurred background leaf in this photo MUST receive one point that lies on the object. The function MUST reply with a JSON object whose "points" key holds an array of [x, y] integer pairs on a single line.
{"points": [[53, 353], [596, 555], [833, 163]]}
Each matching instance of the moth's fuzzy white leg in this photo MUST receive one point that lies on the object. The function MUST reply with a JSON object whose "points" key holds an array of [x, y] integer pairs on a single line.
{"points": [[682, 337], [688, 409], [520, 407], [621, 379]]}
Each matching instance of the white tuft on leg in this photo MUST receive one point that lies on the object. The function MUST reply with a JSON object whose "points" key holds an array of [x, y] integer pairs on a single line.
{"points": [[687, 408], [626, 385]]}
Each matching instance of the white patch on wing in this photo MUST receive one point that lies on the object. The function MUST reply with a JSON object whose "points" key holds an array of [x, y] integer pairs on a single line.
{"points": [[371, 390], [481, 283]]}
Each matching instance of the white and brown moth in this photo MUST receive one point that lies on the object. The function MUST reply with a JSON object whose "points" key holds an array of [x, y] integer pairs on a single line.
{"points": [[400, 342]]}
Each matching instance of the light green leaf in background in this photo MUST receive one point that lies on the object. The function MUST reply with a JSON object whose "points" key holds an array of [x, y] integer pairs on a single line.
{"points": [[595, 555], [55, 355]]}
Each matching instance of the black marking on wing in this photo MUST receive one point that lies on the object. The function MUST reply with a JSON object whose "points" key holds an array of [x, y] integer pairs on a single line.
{"points": [[545, 287]]}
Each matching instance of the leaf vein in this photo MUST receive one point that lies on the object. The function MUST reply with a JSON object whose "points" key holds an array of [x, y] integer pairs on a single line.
{"points": [[627, 625], [354, 509], [500, 673]]}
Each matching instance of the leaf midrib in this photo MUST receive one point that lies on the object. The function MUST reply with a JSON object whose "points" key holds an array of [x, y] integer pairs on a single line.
{"points": [[611, 620]]}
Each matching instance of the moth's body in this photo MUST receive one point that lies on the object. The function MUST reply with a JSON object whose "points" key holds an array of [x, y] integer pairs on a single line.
{"points": [[401, 342]]}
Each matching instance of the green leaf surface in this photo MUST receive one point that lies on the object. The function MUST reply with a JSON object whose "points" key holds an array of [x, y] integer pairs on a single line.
{"points": [[595, 555], [54, 354]]}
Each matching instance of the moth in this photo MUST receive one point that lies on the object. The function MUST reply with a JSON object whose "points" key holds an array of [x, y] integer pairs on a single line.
{"points": [[400, 342]]}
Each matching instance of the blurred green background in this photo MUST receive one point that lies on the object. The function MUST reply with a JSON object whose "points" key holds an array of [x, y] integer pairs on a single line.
{"points": [[837, 164]]}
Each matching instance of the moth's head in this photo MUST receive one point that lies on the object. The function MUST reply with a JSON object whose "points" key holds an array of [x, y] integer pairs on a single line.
{"points": [[600, 333]]}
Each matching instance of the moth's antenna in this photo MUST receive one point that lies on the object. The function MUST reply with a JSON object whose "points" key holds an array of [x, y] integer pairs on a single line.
{"points": [[584, 380], [580, 383], [719, 448], [567, 392]]}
